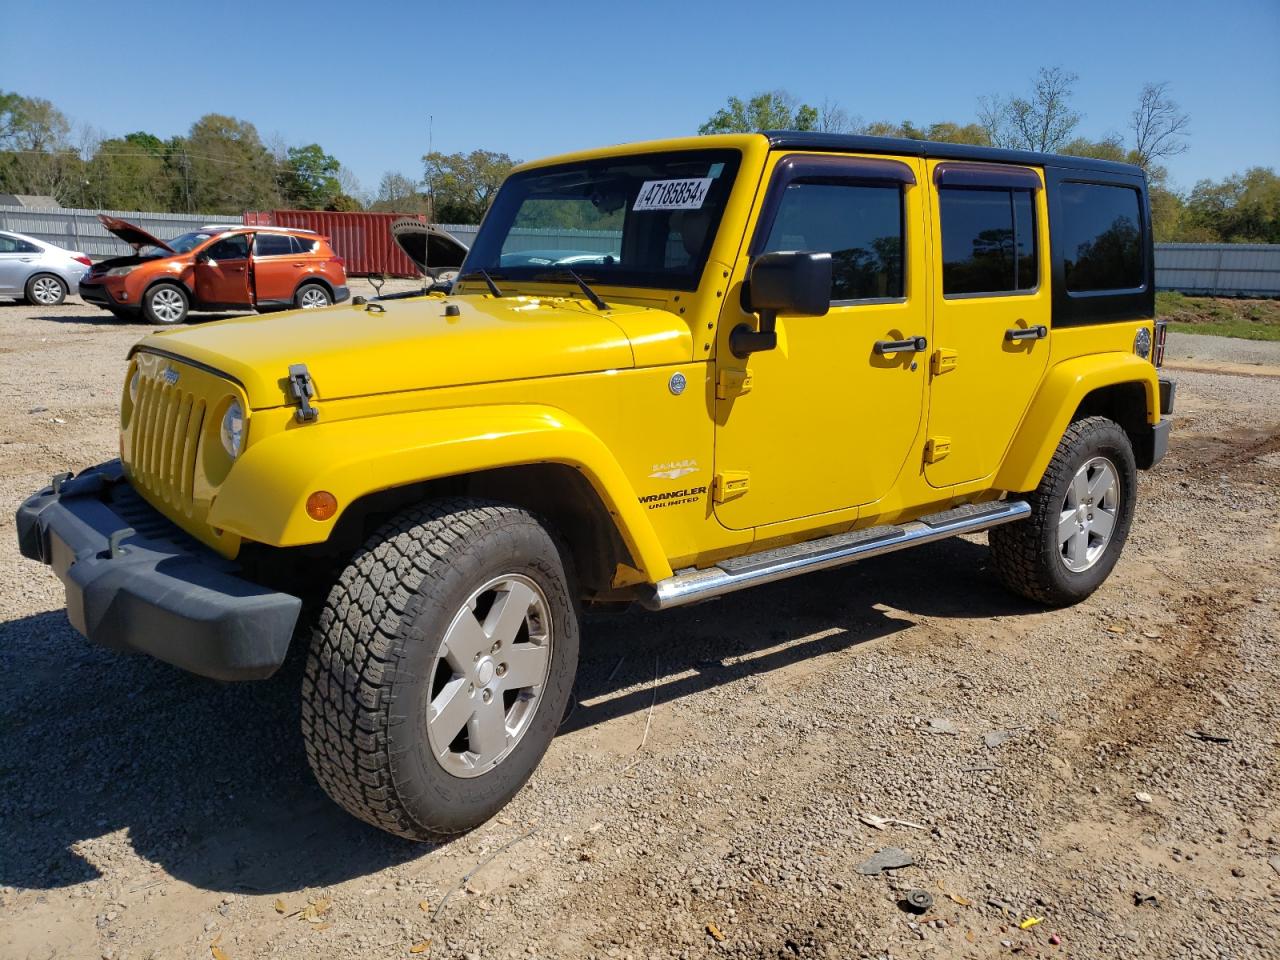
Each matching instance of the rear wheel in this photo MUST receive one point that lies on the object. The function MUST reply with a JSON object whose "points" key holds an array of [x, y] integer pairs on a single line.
{"points": [[440, 668], [311, 296], [1080, 517], [166, 304], [45, 290]]}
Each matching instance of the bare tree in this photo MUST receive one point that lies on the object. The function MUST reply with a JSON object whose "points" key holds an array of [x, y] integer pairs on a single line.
{"points": [[833, 118], [1044, 121], [1159, 126]]}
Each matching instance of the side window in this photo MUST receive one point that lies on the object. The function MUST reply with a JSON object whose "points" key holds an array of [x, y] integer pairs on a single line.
{"points": [[988, 241], [14, 245], [1101, 237], [272, 245], [235, 247], [302, 245], [860, 225]]}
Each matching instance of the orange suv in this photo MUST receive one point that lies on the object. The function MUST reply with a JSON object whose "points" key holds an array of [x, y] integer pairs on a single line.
{"points": [[229, 267]]}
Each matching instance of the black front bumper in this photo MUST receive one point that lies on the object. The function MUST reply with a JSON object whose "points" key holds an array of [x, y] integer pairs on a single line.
{"points": [[100, 296], [1160, 432], [152, 589]]}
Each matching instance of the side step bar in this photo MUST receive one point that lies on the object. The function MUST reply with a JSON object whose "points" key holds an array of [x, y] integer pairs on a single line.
{"points": [[728, 576]]}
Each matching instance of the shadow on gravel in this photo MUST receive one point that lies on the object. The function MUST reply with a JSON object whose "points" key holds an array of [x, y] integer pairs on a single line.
{"points": [[101, 318], [210, 781]]}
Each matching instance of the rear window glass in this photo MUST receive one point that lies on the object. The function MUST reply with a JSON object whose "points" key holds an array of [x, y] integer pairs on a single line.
{"points": [[272, 245], [303, 244], [860, 226], [1101, 235], [988, 241]]}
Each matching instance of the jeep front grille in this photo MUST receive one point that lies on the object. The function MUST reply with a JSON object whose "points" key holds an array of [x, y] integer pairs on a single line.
{"points": [[164, 442]]}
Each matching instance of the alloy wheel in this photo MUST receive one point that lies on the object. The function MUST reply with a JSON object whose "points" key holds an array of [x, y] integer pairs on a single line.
{"points": [[1089, 514], [46, 291], [313, 298], [167, 305], [489, 675]]}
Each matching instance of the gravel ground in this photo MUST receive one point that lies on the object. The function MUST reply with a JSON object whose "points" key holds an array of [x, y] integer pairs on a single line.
{"points": [[1108, 770]]}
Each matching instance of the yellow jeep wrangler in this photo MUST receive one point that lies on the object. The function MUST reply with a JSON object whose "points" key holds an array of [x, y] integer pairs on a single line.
{"points": [[666, 372]]}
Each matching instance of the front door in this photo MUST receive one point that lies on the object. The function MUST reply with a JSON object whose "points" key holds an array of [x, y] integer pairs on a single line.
{"points": [[16, 258], [827, 420], [222, 273], [991, 313]]}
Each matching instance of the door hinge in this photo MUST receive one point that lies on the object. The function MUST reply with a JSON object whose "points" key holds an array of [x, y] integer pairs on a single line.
{"points": [[943, 361], [302, 389], [936, 448], [729, 485], [733, 383]]}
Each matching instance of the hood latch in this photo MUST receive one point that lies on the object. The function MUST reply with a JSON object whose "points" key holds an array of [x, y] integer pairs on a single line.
{"points": [[302, 389]]}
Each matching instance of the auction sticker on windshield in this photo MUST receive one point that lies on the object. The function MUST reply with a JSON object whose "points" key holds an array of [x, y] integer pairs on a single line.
{"points": [[673, 194]]}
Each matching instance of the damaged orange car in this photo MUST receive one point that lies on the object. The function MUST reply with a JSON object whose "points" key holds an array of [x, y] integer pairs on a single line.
{"points": [[218, 267]]}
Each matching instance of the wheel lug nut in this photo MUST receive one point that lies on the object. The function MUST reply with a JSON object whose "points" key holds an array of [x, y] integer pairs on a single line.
{"points": [[497, 645], [471, 688], [486, 696], [502, 670]]}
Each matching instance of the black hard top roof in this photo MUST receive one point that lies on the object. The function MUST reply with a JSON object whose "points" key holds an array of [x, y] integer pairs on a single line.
{"points": [[851, 143]]}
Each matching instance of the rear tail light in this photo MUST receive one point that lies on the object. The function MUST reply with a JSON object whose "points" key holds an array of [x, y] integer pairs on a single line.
{"points": [[1162, 331], [81, 258], [338, 260]]}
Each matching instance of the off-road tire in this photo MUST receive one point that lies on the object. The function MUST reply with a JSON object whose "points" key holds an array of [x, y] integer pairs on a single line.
{"points": [[39, 296], [366, 684], [176, 308], [1026, 554]]}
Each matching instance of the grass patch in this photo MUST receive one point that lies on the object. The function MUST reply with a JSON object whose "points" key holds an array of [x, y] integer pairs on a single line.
{"points": [[1220, 316]]}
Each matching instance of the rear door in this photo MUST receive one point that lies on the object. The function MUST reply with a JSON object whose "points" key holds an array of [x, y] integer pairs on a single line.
{"points": [[827, 420], [222, 273], [17, 259], [278, 267], [991, 303]]}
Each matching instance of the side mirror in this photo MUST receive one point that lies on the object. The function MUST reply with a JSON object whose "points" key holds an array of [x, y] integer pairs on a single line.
{"points": [[790, 282], [202, 256]]}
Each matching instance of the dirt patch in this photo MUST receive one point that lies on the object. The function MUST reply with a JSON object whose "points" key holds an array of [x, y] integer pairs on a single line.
{"points": [[150, 814]]}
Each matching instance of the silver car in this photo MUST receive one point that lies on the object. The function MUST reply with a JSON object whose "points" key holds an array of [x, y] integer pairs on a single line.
{"points": [[38, 272]]}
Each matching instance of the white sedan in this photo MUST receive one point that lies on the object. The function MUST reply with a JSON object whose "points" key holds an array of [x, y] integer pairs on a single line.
{"points": [[38, 272]]}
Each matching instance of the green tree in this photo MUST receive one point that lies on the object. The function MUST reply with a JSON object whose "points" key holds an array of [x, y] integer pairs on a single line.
{"points": [[35, 149], [944, 132], [225, 167], [310, 178], [128, 173], [1244, 208], [772, 110], [462, 185]]}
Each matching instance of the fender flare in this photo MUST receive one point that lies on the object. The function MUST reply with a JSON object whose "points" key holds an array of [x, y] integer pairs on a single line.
{"points": [[264, 496], [1055, 403]]}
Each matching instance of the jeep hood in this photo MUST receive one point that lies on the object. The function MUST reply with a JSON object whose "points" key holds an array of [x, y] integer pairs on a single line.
{"points": [[356, 350]]}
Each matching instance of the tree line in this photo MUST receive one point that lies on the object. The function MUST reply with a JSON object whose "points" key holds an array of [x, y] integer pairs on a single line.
{"points": [[1243, 207], [223, 165]]}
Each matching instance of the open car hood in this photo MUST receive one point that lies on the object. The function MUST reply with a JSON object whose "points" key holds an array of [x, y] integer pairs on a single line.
{"points": [[434, 251], [133, 235]]}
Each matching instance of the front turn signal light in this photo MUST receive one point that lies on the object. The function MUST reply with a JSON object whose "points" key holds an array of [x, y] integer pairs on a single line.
{"points": [[321, 505]]}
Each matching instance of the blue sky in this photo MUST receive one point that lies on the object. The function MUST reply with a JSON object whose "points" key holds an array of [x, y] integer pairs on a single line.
{"points": [[532, 79]]}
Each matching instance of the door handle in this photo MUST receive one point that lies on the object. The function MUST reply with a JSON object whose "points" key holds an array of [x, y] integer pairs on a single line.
{"points": [[1029, 333], [887, 348]]}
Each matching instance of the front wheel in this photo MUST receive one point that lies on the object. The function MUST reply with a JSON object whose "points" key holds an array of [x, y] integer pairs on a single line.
{"points": [[165, 304], [1080, 518], [45, 290], [440, 668]]}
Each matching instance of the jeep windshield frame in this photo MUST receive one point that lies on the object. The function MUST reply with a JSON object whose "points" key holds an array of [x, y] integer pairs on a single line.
{"points": [[582, 216]]}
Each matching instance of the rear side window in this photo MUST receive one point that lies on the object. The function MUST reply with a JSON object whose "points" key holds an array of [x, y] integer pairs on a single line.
{"points": [[272, 245], [988, 241], [1101, 237], [860, 225], [304, 244]]}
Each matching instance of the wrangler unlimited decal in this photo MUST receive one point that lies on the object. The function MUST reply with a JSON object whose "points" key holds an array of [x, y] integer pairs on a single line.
{"points": [[672, 498]]}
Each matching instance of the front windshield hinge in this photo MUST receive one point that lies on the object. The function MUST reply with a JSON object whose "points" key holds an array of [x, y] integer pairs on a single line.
{"points": [[302, 389]]}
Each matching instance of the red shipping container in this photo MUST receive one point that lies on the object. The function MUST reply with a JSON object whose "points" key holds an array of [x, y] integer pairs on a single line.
{"points": [[363, 240]]}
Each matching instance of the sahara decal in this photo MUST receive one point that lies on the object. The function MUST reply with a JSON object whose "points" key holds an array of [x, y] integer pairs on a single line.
{"points": [[674, 469]]}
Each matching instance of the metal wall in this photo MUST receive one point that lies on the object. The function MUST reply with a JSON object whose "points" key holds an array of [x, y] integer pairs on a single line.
{"points": [[1219, 269], [1206, 269], [80, 229]]}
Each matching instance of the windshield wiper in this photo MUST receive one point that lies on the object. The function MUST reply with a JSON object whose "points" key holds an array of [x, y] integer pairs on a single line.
{"points": [[582, 285], [483, 275]]}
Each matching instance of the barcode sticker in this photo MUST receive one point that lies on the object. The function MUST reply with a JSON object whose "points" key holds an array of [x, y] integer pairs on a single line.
{"points": [[673, 194]]}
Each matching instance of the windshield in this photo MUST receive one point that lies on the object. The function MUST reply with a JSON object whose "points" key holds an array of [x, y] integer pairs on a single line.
{"points": [[644, 221], [183, 244]]}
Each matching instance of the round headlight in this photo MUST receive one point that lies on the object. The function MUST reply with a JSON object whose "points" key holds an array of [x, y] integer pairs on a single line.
{"points": [[233, 429], [1142, 343], [133, 386]]}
